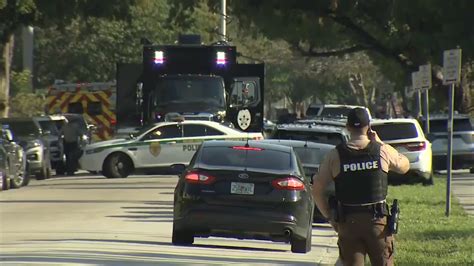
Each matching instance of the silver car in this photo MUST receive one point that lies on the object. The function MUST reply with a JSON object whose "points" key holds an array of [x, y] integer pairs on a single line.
{"points": [[463, 141], [54, 141], [27, 132]]}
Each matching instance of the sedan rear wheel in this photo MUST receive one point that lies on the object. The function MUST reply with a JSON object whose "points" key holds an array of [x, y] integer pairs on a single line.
{"points": [[118, 165], [182, 237], [302, 245]]}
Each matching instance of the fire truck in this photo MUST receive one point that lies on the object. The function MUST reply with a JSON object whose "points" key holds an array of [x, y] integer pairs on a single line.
{"points": [[95, 101], [196, 81]]}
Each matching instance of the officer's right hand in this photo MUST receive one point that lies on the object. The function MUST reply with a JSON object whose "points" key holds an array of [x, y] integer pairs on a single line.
{"points": [[373, 136]]}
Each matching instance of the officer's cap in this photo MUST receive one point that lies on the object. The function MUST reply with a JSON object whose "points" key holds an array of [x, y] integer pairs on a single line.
{"points": [[358, 118]]}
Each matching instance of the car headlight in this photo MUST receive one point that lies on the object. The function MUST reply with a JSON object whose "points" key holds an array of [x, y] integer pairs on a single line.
{"points": [[32, 144]]}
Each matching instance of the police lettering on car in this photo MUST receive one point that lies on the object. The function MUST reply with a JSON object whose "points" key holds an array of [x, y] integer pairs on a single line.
{"points": [[190, 147]]}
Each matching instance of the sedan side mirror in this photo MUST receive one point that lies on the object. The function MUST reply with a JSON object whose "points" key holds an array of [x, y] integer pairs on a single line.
{"points": [[92, 128], [177, 169]]}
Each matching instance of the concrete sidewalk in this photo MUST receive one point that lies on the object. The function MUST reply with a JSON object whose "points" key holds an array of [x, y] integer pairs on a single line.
{"points": [[462, 185]]}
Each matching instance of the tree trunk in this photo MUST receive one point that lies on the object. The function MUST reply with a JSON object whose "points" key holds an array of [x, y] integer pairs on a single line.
{"points": [[463, 94], [7, 53]]}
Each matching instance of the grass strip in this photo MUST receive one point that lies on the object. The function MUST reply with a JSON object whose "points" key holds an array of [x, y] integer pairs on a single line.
{"points": [[426, 236]]}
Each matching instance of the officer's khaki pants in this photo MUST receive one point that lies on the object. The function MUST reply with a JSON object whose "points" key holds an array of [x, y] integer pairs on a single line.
{"points": [[359, 235]]}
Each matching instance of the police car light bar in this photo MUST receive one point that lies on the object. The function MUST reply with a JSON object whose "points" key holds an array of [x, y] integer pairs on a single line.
{"points": [[159, 57], [221, 60]]}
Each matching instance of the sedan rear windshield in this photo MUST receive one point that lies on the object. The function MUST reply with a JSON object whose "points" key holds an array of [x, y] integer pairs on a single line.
{"points": [[310, 156], [257, 159], [392, 131], [319, 137]]}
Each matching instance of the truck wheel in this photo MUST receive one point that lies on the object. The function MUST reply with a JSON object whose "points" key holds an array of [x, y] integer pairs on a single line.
{"points": [[118, 165]]}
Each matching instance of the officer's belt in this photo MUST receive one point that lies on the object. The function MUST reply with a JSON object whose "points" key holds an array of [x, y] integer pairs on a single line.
{"points": [[370, 208]]}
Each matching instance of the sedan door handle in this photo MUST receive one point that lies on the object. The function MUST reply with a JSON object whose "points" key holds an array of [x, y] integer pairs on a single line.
{"points": [[132, 149]]}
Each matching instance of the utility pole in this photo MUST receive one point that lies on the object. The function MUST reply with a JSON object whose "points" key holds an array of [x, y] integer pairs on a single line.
{"points": [[451, 76], [222, 31], [425, 82], [27, 40]]}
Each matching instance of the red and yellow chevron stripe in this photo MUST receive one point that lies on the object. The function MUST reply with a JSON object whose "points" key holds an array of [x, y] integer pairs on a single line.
{"points": [[58, 101]]}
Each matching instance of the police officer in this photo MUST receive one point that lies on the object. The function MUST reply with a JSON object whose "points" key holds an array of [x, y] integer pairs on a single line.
{"points": [[70, 133], [359, 171]]}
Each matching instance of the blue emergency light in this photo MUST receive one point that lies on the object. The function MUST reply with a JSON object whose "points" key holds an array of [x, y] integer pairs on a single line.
{"points": [[159, 57]]}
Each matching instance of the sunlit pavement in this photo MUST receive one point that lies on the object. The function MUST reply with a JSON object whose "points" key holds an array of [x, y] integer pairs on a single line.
{"points": [[90, 220]]}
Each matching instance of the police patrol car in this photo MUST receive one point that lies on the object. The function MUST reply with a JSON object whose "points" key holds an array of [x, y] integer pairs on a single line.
{"points": [[156, 146]]}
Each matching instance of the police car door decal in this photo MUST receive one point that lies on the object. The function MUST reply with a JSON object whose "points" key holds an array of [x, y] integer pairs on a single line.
{"points": [[155, 148], [244, 118]]}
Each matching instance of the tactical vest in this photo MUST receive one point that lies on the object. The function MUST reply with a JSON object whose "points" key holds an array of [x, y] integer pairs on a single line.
{"points": [[361, 179]]}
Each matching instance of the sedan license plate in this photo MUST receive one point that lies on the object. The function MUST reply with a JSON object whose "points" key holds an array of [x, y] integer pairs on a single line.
{"points": [[242, 188]]}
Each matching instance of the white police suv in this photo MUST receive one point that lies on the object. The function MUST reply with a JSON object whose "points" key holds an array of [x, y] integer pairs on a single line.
{"points": [[156, 146]]}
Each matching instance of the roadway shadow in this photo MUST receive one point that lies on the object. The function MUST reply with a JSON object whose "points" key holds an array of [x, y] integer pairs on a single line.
{"points": [[154, 213], [103, 257], [69, 201], [159, 202], [161, 243], [122, 187]]}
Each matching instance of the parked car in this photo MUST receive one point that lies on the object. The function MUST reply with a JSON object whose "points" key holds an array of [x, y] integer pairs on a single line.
{"points": [[239, 189], [463, 141], [155, 146], [54, 141], [327, 134], [5, 172], [16, 159], [311, 155], [406, 135], [27, 132], [331, 110]]}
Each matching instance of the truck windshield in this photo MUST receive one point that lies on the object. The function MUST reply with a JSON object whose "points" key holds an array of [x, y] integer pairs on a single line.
{"points": [[208, 91]]}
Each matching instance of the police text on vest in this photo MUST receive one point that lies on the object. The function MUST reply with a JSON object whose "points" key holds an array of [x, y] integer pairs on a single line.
{"points": [[360, 166]]}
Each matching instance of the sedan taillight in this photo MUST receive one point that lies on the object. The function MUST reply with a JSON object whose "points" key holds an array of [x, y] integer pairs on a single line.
{"points": [[198, 178], [288, 183], [415, 146]]}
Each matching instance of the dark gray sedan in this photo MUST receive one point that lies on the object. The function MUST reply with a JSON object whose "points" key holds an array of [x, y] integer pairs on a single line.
{"points": [[244, 190]]}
